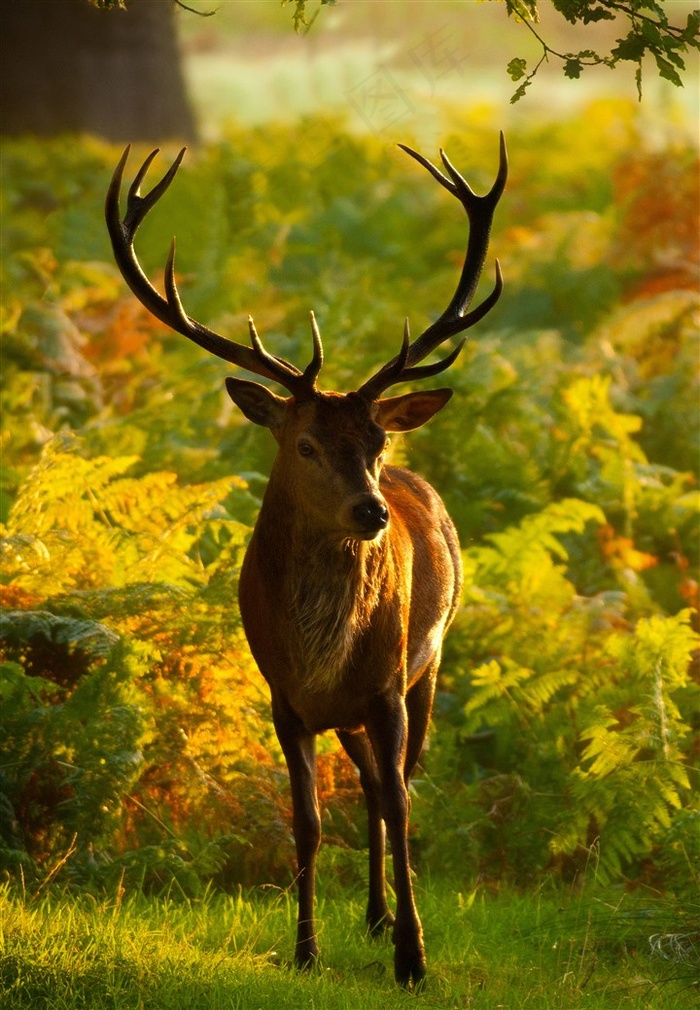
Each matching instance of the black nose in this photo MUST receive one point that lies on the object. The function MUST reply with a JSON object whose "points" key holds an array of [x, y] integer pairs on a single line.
{"points": [[371, 514]]}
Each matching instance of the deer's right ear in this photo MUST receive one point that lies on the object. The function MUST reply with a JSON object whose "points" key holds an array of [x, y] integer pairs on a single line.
{"points": [[258, 403]]}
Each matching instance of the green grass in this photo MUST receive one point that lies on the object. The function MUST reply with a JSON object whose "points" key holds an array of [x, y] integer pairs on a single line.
{"points": [[485, 951]]}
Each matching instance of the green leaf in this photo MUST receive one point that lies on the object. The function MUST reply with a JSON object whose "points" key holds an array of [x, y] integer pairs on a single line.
{"points": [[517, 68], [652, 34], [520, 92], [632, 47], [692, 27], [667, 71], [523, 10]]}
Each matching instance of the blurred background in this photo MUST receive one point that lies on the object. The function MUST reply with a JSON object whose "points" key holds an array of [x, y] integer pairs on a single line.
{"points": [[392, 66], [374, 66], [133, 720]]}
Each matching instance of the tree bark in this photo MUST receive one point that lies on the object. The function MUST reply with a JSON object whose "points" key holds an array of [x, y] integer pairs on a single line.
{"points": [[66, 66]]}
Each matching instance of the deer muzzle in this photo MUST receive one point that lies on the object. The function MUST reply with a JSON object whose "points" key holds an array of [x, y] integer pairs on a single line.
{"points": [[370, 515]]}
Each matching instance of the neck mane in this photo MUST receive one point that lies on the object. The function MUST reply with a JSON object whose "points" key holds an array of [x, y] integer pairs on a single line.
{"points": [[332, 591]]}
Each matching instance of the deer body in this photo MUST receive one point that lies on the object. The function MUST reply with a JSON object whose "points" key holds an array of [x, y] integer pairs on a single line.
{"points": [[352, 575], [352, 620], [383, 618], [333, 619]]}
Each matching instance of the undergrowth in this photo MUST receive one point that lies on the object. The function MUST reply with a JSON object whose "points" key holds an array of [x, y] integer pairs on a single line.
{"points": [[135, 729], [486, 951]]}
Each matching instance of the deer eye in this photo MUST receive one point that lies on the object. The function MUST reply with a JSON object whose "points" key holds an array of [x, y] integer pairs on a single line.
{"points": [[305, 448]]}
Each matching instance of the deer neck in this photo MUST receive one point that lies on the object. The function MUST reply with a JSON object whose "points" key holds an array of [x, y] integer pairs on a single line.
{"points": [[329, 590], [333, 591]]}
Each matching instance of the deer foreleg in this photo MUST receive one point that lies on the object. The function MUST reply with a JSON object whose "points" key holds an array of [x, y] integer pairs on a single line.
{"points": [[388, 734], [299, 749]]}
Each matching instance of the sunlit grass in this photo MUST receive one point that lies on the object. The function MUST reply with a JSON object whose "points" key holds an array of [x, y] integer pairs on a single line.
{"points": [[485, 952]]}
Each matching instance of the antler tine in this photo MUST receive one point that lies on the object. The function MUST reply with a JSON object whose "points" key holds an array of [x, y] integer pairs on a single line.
{"points": [[169, 309], [138, 206], [396, 370], [314, 366], [456, 318], [480, 210], [285, 373]]}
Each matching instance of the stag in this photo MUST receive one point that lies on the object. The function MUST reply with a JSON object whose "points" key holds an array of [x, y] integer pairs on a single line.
{"points": [[352, 575]]}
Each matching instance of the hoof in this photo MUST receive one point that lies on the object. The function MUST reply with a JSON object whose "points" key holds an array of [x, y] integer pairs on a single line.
{"points": [[410, 970], [306, 956]]}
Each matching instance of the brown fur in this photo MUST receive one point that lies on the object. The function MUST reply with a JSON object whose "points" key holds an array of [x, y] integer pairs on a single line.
{"points": [[333, 595]]}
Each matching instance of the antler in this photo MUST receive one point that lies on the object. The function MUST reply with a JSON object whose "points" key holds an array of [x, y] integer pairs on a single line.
{"points": [[455, 319], [169, 309]]}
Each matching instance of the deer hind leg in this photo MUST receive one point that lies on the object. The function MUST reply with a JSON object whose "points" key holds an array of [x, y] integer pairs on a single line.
{"points": [[299, 749], [419, 707], [388, 732], [359, 749]]}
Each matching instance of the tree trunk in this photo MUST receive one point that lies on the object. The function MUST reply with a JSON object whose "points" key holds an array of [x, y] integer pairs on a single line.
{"points": [[66, 66]]}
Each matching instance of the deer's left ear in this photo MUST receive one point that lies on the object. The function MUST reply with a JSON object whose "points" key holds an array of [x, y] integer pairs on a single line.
{"points": [[411, 410]]}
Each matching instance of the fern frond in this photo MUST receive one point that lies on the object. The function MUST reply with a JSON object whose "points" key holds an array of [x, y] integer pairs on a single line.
{"points": [[118, 602], [19, 627]]}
